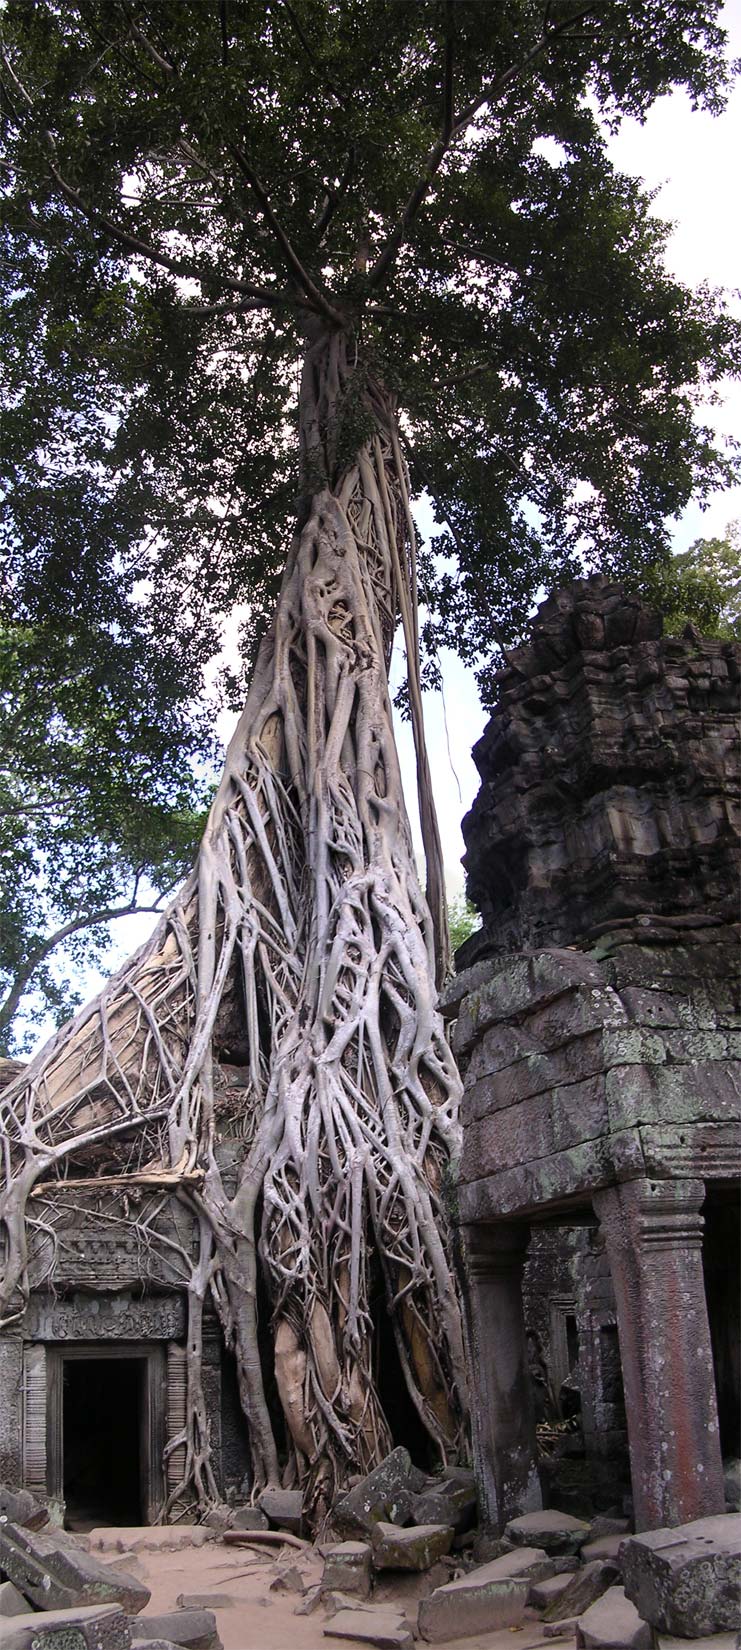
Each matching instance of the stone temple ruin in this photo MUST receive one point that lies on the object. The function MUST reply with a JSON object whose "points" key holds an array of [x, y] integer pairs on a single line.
{"points": [[598, 1196], [596, 1025]]}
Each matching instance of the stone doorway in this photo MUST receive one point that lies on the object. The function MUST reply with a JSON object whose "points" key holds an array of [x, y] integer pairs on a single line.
{"points": [[105, 1433]]}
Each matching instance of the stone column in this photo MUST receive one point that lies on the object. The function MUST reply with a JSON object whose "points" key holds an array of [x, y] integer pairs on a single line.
{"points": [[504, 1420], [653, 1234], [11, 1411]]}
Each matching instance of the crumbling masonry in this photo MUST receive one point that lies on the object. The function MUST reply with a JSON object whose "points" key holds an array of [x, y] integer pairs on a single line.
{"points": [[597, 1024]]}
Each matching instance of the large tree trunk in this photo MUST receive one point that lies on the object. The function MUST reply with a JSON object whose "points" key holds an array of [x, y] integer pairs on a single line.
{"points": [[301, 952]]}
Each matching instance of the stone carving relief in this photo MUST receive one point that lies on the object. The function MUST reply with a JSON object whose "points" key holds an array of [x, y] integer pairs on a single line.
{"points": [[119, 1317]]}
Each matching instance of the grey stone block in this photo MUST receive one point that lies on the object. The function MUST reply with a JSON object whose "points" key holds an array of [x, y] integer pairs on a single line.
{"points": [[387, 1630], [383, 1494], [283, 1508], [190, 1629], [687, 1580], [582, 1590], [21, 1507], [415, 1548], [12, 1603], [288, 1580], [554, 1531], [491, 1597], [543, 1594], [55, 1573], [347, 1568], [613, 1623], [250, 1518], [87, 1627]]}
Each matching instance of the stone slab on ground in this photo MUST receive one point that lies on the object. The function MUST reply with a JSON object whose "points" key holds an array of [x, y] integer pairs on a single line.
{"points": [[204, 1601], [89, 1627], [687, 1581], [288, 1580], [555, 1532], [190, 1629], [249, 1518], [125, 1561], [12, 1602], [50, 1568], [546, 1592], [21, 1507], [139, 1538], [417, 1547], [492, 1596], [153, 1644], [613, 1623], [283, 1509], [387, 1630], [565, 1629], [347, 1568], [583, 1589], [383, 1494], [449, 1502], [710, 1641], [605, 1546], [605, 1525], [310, 1602]]}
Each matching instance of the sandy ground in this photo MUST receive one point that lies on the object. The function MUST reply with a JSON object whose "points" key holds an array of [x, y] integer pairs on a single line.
{"points": [[252, 1617]]}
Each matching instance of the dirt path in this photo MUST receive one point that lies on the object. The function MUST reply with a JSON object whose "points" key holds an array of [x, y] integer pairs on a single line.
{"points": [[252, 1616]]}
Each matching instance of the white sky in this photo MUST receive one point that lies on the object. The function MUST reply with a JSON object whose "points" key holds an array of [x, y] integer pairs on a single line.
{"points": [[693, 161]]}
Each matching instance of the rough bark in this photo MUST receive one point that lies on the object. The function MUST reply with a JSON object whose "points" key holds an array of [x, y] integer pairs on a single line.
{"points": [[302, 950]]}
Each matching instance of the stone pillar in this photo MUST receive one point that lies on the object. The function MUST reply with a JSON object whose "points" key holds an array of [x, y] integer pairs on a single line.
{"points": [[504, 1420], [653, 1234], [11, 1411]]}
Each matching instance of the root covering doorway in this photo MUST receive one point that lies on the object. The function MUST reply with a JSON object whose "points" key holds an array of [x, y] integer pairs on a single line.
{"points": [[106, 1433]]}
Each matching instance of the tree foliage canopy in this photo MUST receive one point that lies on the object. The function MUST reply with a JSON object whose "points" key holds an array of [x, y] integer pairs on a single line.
{"points": [[701, 586], [187, 185], [101, 805]]}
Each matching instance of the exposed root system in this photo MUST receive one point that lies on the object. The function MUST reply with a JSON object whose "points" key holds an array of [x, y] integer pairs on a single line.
{"points": [[285, 1008]]}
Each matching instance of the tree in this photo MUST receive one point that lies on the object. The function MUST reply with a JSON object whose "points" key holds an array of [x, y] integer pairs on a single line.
{"points": [[701, 586], [276, 251], [101, 810], [463, 920]]}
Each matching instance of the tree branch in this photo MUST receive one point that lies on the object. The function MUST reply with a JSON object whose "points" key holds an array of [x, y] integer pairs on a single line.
{"points": [[75, 925], [439, 150], [315, 297], [448, 79], [263, 296]]}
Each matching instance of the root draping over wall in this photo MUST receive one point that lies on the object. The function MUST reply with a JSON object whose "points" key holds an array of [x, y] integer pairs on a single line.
{"points": [[286, 1003]]}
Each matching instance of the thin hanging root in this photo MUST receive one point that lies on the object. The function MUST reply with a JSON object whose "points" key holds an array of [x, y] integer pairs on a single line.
{"points": [[303, 924]]}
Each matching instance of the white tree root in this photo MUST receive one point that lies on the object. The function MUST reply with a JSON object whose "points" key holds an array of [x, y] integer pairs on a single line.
{"points": [[303, 942]]}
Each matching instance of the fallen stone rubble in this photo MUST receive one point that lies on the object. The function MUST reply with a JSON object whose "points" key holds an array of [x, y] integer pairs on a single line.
{"points": [[393, 1580]]}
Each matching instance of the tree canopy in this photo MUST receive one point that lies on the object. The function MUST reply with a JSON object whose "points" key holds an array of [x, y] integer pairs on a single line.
{"points": [[102, 798], [701, 586], [186, 186]]}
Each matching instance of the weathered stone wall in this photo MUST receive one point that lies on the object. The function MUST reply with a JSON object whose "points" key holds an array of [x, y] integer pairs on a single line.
{"points": [[610, 776], [586, 1067], [597, 1029]]}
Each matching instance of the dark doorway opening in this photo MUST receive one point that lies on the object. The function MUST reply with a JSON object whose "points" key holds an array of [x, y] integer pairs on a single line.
{"points": [[102, 1430]]}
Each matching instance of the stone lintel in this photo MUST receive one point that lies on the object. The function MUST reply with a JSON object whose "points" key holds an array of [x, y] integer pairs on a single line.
{"points": [[525, 1190]]}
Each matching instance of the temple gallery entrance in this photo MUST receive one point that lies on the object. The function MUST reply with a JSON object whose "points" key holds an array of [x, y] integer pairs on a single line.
{"points": [[106, 1420]]}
